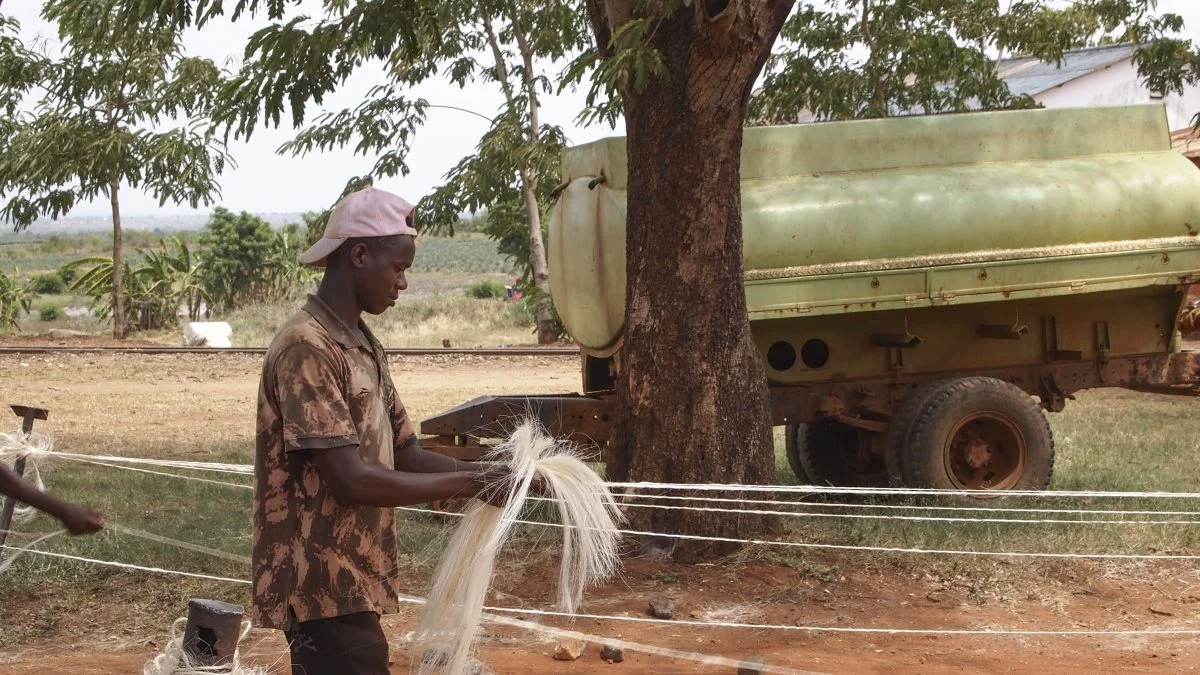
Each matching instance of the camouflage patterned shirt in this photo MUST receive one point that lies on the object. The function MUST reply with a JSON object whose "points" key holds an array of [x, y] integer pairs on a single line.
{"points": [[323, 386]]}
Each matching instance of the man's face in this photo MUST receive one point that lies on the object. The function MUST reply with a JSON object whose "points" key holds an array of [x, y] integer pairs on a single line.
{"points": [[380, 269]]}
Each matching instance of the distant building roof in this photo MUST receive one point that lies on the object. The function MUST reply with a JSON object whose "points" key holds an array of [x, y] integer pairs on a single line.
{"points": [[1028, 75]]}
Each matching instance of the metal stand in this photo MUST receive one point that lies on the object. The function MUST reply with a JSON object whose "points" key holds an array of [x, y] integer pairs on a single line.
{"points": [[28, 415]]}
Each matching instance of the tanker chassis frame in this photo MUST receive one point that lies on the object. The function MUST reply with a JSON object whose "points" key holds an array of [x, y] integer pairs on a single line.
{"points": [[858, 431]]}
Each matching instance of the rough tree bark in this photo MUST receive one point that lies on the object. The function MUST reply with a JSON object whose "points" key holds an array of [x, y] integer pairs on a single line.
{"points": [[693, 405], [529, 178], [118, 280]]}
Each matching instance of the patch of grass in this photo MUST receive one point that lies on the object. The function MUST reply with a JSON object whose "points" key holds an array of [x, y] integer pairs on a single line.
{"points": [[665, 577], [415, 321], [49, 312], [1106, 441]]}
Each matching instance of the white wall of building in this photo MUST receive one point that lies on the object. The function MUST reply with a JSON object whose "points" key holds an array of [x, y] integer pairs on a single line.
{"points": [[1119, 84]]}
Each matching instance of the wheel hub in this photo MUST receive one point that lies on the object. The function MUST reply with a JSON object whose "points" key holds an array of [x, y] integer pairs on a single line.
{"points": [[986, 451]]}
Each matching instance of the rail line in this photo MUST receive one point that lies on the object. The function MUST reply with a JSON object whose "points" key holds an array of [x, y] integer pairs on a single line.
{"points": [[400, 351]]}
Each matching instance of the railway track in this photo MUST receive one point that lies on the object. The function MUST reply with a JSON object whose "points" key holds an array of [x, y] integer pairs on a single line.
{"points": [[406, 351]]}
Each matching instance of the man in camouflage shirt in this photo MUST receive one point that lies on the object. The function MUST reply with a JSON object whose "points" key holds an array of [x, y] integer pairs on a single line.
{"points": [[335, 451]]}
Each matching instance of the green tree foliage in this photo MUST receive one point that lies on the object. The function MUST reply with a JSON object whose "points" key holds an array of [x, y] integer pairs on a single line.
{"points": [[292, 64], [50, 283], [15, 298], [104, 119], [852, 59], [245, 261]]}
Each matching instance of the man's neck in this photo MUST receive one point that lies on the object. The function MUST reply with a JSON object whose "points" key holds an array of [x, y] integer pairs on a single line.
{"points": [[340, 299]]}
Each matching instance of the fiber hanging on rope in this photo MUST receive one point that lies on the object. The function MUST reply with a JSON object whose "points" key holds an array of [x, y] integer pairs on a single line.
{"points": [[35, 448], [447, 626]]}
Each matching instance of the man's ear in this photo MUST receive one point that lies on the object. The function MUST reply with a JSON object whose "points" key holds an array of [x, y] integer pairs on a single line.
{"points": [[358, 255]]}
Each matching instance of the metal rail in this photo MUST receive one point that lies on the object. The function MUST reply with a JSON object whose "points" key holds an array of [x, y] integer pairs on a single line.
{"points": [[406, 351]]}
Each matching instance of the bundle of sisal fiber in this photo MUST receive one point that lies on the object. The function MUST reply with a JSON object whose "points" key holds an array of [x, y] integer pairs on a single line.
{"points": [[445, 631], [35, 449]]}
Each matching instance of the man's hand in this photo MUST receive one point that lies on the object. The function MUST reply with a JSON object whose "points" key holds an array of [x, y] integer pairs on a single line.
{"points": [[493, 484], [81, 520]]}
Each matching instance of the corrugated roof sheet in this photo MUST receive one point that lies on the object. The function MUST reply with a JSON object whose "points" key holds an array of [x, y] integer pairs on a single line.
{"points": [[1027, 75]]}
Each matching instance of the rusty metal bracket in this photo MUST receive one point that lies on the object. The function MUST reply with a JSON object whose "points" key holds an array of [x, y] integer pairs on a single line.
{"points": [[27, 414], [860, 423], [1000, 332], [598, 180]]}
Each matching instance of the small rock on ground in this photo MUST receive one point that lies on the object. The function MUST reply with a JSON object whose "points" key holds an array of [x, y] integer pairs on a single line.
{"points": [[662, 608], [612, 654], [568, 649]]}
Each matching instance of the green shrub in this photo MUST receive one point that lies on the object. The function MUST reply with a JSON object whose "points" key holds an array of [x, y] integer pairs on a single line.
{"points": [[50, 312], [483, 290], [50, 283], [67, 274]]}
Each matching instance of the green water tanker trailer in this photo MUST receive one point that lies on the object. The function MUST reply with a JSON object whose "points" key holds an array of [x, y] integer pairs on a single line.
{"points": [[921, 290]]}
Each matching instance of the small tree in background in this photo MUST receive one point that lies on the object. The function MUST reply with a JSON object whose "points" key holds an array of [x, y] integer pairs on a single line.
{"points": [[90, 132]]}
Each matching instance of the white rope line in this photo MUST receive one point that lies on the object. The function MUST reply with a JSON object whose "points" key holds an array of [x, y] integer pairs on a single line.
{"points": [[942, 519], [809, 514], [163, 473], [246, 469], [837, 546], [129, 566], [687, 622], [839, 629], [909, 507], [216, 553], [848, 547], [240, 469], [819, 489]]}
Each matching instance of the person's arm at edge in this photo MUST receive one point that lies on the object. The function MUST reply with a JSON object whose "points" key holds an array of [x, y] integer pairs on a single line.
{"points": [[77, 519]]}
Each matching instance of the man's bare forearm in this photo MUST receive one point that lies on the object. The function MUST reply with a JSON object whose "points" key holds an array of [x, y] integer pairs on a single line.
{"points": [[25, 492]]}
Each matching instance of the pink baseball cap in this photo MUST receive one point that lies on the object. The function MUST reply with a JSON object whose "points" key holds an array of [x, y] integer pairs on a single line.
{"points": [[366, 213]]}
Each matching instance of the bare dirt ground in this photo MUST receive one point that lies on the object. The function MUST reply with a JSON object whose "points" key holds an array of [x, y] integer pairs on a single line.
{"points": [[113, 403]]}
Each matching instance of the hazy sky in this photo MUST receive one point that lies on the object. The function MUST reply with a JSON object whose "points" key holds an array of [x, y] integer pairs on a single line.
{"points": [[266, 182]]}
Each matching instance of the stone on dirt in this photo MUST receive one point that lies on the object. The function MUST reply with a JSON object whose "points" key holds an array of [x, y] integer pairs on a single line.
{"points": [[612, 654], [662, 608], [568, 649]]}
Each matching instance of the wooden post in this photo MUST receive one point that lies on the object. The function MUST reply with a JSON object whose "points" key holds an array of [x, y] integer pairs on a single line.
{"points": [[212, 632]]}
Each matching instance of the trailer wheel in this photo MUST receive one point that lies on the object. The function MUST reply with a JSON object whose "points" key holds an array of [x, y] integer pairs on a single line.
{"points": [[980, 433], [896, 454], [831, 453]]}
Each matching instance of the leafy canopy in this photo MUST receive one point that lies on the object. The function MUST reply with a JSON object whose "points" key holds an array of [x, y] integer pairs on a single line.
{"points": [[99, 117], [851, 59]]}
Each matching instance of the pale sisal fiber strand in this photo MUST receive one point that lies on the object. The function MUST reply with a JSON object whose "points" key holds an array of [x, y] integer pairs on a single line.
{"points": [[448, 623], [174, 660], [35, 449]]}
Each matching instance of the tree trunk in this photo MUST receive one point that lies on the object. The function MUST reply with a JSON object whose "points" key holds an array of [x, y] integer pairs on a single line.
{"points": [[118, 281], [529, 180], [693, 404]]}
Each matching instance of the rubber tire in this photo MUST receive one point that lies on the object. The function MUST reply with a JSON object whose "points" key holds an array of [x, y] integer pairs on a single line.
{"points": [[808, 450], [955, 400], [793, 436], [899, 433]]}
